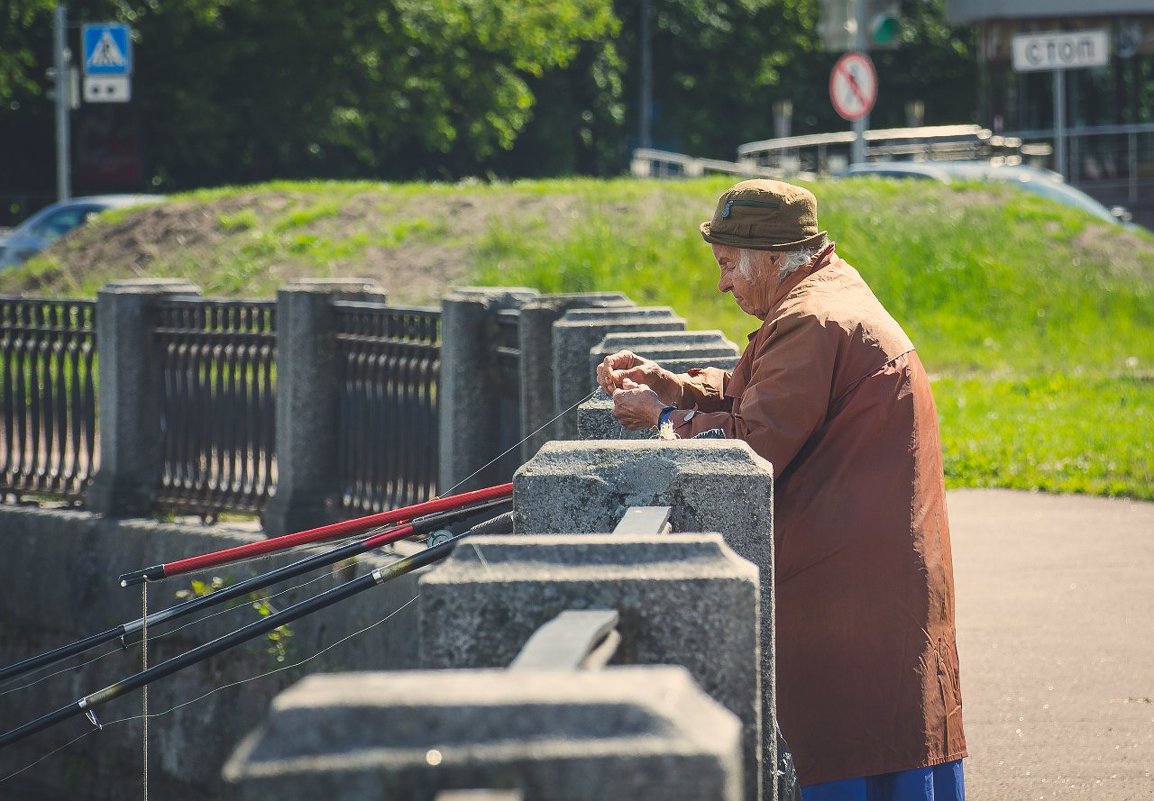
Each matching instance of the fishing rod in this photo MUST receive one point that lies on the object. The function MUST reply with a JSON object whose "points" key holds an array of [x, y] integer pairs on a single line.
{"points": [[88, 703], [257, 582], [329, 532]]}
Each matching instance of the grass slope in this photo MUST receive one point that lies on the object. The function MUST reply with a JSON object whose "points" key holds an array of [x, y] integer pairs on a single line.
{"points": [[1037, 321]]}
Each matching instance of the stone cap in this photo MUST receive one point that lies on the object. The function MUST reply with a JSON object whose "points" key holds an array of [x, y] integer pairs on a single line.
{"points": [[608, 557], [384, 725]]}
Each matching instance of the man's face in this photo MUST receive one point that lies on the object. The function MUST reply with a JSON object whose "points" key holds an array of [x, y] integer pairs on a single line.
{"points": [[751, 284]]}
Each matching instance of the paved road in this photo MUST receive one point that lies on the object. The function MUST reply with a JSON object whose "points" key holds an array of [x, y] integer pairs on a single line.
{"points": [[1056, 637]]}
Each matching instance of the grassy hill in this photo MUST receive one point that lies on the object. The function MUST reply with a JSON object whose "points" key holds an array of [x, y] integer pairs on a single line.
{"points": [[1037, 321]]}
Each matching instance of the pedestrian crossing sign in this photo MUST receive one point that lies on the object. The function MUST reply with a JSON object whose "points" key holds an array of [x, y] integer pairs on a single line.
{"points": [[107, 49]]}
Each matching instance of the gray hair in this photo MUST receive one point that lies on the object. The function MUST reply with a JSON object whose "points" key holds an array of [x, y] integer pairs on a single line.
{"points": [[794, 260]]}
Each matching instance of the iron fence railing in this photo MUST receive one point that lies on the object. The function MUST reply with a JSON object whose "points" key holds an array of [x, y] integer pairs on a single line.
{"points": [[48, 441], [389, 360], [509, 409], [218, 404]]}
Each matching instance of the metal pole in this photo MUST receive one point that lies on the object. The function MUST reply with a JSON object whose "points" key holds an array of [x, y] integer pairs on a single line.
{"points": [[1132, 145], [1060, 121], [61, 60], [860, 125], [646, 133]]}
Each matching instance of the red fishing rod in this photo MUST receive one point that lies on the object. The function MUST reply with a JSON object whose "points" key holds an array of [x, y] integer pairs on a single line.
{"points": [[329, 532], [377, 539], [380, 575]]}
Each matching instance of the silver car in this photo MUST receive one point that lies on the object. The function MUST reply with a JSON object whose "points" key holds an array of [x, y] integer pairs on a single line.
{"points": [[52, 222], [1046, 183]]}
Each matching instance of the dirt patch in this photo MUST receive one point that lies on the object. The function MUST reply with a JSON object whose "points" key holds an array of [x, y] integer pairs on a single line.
{"points": [[416, 245]]}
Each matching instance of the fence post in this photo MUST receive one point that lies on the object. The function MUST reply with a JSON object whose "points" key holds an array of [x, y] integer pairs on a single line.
{"points": [[711, 485], [471, 388], [577, 332], [307, 399], [129, 396], [538, 401]]}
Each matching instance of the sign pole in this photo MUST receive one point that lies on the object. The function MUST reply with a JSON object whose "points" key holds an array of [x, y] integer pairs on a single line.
{"points": [[1060, 121], [1058, 52], [63, 102], [861, 124]]}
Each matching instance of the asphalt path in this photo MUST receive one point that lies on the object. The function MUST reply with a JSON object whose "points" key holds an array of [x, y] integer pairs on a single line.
{"points": [[1055, 608]]}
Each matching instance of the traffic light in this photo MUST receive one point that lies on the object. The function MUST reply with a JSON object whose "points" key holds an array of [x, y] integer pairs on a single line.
{"points": [[883, 28], [70, 86], [839, 22]]}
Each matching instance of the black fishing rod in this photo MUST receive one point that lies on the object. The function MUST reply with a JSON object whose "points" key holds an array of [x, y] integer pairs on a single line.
{"points": [[380, 575], [192, 605]]}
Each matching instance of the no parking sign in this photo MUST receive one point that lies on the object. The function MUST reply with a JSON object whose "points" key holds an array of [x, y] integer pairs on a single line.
{"points": [[853, 86]]}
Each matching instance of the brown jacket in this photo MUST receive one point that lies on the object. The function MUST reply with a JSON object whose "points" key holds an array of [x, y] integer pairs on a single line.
{"points": [[831, 391]]}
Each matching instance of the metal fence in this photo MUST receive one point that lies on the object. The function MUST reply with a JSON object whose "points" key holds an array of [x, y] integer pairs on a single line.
{"points": [[509, 410], [218, 407], [389, 361], [47, 396]]}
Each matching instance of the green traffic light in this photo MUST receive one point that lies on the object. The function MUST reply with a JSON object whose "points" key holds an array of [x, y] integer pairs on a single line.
{"points": [[884, 29]]}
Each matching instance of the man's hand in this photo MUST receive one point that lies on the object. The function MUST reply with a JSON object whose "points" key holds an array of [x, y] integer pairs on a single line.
{"points": [[625, 365], [636, 406]]}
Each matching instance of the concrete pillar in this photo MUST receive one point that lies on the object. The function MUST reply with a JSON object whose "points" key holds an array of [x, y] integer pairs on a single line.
{"points": [[479, 410], [711, 485], [682, 599], [129, 396], [620, 734], [538, 401], [307, 402], [677, 351], [581, 329], [668, 348]]}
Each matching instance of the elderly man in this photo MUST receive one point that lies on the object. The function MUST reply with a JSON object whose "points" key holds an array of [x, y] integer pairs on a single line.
{"points": [[832, 392]]}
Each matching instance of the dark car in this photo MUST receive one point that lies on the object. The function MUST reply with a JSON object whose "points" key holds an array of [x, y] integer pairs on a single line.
{"points": [[52, 222]]}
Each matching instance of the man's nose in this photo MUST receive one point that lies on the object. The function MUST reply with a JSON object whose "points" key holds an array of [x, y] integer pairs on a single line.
{"points": [[724, 284]]}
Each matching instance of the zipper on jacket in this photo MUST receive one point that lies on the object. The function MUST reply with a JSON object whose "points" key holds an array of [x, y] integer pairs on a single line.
{"points": [[761, 204]]}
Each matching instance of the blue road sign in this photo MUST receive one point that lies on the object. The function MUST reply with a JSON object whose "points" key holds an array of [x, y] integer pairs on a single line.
{"points": [[107, 49]]}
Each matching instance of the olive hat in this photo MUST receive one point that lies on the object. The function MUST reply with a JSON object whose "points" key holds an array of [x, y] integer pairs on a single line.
{"points": [[764, 215]]}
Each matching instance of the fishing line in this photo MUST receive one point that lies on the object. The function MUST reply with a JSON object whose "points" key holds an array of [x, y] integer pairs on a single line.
{"points": [[453, 488], [155, 715], [157, 636], [144, 689], [283, 668]]}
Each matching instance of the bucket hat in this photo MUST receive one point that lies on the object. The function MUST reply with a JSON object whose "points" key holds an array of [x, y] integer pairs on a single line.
{"points": [[763, 214]]}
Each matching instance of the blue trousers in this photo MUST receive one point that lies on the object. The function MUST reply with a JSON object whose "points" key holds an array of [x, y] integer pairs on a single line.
{"points": [[939, 783]]}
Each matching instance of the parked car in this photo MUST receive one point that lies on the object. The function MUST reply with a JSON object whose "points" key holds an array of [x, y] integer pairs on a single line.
{"points": [[52, 222], [1047, 183]]}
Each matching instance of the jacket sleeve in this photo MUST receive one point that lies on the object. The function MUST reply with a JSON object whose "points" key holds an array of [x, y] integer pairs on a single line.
{"points": [[704, 389], [788, 396]]}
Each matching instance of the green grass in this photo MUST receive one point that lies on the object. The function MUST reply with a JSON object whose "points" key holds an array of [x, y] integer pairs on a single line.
{"points": [[1041, 339], [1036, 321]]}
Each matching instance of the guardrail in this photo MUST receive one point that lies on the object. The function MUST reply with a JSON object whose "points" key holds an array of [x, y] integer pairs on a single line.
{"points": [[217, 363], [829, 152], [650, 163], [47, 397], [390, 360]]}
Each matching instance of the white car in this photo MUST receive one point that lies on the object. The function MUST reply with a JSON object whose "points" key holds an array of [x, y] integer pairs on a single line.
{"points": [[52, 222], [1046, 183]]}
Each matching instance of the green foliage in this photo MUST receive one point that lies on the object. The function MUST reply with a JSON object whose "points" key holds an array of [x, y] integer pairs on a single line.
{"points": [[1058, 433], [250, 90], [277, 643]]}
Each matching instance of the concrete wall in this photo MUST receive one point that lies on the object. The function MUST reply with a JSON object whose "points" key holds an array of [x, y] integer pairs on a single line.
{"points": [[59, 574]]}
